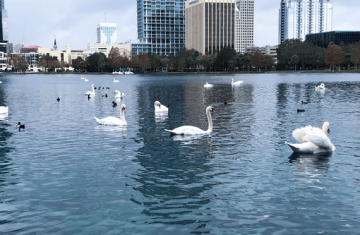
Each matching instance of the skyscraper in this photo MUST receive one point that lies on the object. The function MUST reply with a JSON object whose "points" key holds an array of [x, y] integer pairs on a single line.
{"points": [[106, 33], [3, 24], [162, 24], [244, 34], [210, 25], [300, 17]]}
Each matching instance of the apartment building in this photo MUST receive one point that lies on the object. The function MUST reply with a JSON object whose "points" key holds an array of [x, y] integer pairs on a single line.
{"points": [[244, 34]]}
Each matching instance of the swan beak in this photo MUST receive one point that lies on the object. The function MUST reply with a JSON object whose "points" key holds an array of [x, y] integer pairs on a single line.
{"points": [[328, 131], [214, 110], [124, 110]]}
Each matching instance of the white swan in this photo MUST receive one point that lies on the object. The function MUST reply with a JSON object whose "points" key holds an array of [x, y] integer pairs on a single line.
{"points": [[91, 92], [113, 121], [312, 140], [4, 109], [119, 94], [320, 87], [207, 85], [86, 80], [116, 80], [235, 83], [191, 130], [160, 108], [82, 77]]}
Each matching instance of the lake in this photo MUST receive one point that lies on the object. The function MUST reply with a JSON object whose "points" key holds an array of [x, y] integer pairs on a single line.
{"points": [[65, 174]]}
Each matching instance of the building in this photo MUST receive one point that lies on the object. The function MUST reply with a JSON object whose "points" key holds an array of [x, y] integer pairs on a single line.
{"points": [[161, 26], [336, 37], [3, 27], [298, 18], [106, 33], [266, 50], [244, 33], [210, 25], [124, 49]]}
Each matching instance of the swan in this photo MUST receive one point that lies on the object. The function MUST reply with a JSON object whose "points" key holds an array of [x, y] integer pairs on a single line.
{"points": [[235, 83], [4, 109], [191, 130], [86, 80], [160, 108], [320, 87], [118, 94], [113, 121], [312, 140], [207, 85], [91, 92], [82, 77], [116, 80]]}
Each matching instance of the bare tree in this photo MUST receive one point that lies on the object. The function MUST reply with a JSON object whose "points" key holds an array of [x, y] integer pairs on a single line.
{"points": [[144, 62], [18, 48], [257, 59], [334, 55], [356, 54]]}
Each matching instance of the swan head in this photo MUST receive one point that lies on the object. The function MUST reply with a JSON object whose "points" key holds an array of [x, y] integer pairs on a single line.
{"points": [[116, 91], [123, 108], [206, 83], [210, 109], [232, 80], [157, 104], [326, 128], [92, 85]]}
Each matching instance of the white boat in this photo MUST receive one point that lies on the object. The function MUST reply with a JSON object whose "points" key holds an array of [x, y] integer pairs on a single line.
{"points": [[129, 72], [117, 72]]}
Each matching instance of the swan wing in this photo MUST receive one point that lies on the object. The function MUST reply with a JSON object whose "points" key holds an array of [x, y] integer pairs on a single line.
{"points": [[307, 147], [300, 133], [186, 130], [318, 137], [111, 121], [162, 109]]}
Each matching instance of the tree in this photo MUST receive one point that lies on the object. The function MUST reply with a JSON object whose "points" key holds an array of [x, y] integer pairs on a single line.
{"points": [[271, 61], [17, 48], [165, 62], [143, 61], [78, 63], [294, 60], [355, 52], [223, 57], [257, 59], [20, 63], [334, 55], [113, 58], [102, 62], [46, 61]]}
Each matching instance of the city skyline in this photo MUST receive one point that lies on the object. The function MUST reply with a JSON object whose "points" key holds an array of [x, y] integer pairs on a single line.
{"points": [[76, 28]]}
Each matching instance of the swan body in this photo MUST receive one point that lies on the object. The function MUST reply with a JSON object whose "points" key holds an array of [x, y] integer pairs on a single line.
{"points": [[113, 121], [312, 140], [82, 77], [4, 109], [129, 73], [235, 83], [320, 87], [191, 130], [116, 80], [160, 108], [117, 73], [119, 94], [86, 80], [91, 92], [207, 85]]}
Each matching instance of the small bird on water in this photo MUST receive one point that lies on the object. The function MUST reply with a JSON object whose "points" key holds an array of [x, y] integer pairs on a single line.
{"points": [[58, 99], [303, 102], [300, 110], [19, 126], [225, 102], [114, 104], [88, 96]]}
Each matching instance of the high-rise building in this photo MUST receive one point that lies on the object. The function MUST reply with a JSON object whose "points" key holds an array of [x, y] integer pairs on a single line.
{"points": [[300, 17], [244, 33], [3, 24], [106, 33], [210, 25], [161, 26]]}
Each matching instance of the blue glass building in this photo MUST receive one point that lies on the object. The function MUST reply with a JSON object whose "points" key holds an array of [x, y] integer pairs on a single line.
{"points": [[161, 26], [3, 25], [336, 37]]}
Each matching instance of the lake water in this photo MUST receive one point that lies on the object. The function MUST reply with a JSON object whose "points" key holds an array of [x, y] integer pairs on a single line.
{"points": [[65, 174]]}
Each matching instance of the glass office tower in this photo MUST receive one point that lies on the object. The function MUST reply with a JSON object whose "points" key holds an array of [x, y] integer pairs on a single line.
{"points": [[106, 33], [3, 25], [161, 26]]}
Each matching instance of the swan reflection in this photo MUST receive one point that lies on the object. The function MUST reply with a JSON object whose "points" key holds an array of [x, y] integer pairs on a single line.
{"points": [[113, 130], [161, 117], [309, 163], [3, 116]]}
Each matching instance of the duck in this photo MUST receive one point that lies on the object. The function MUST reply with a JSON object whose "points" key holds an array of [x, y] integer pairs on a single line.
{"points": [[303, 102], [114, 104], [113, 121], [320, 87], [99, 87], [225, 102], [88, 97], [159, 107], [91, 92], [4, 109], [58, 99], [300, 110], [116, 80], [106, 96], [118, 94], [191, 130], [235, 83], [312, 140], [207, 85], [20, 126]]}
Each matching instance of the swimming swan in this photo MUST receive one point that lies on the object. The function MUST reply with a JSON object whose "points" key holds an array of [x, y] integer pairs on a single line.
{"points": [[4, 109], [321, 87], [312, 140], [113, 121], [207, 85], [235, 83], [82, 77], [159, 107], [91, 92], [116, 80], [86, 80], [191, 130], [118, 94]]}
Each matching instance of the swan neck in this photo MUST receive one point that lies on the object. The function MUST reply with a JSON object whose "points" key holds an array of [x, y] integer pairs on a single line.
{"points": [[208, 114], [122, 116]]}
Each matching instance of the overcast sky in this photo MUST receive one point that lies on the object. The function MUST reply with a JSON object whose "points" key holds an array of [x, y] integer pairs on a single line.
{"points": [[74, 22]]}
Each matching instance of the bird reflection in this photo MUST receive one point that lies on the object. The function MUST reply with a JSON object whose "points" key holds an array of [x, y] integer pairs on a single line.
{"points": [[309, 163], [161, 117]]}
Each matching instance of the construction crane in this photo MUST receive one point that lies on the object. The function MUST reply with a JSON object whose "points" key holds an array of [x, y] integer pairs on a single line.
{"points": [[23, 41]]}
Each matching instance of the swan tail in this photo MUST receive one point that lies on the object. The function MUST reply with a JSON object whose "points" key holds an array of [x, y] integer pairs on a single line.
{"points": [[98, 120], [295, 149]]}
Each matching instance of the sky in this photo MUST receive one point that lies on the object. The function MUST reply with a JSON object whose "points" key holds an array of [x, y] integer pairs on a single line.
{"points": [[74, 22]]}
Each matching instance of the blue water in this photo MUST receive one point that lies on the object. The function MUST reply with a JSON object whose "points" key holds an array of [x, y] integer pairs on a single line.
{"points": [[65, 174]]}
